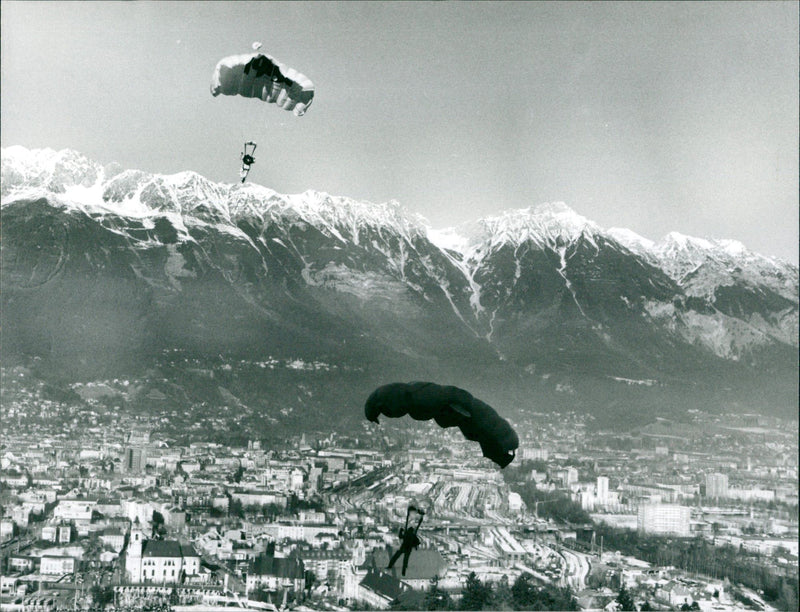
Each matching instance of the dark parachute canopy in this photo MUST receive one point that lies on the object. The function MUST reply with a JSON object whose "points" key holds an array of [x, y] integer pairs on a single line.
{"points": [[449, 407], [258, 75]]}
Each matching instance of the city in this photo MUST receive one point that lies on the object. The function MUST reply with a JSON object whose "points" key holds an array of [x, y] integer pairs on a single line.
{"points": [[102, 510]]}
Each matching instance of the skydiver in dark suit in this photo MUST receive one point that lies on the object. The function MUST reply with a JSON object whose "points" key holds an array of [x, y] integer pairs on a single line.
{"points": [[408, 540]]}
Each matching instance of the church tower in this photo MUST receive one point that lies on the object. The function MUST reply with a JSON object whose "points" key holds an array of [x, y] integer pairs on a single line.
{"points": [[133, 557]]}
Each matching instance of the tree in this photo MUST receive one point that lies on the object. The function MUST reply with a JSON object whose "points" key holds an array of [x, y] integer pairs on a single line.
{"points": [[159, 529], [523, 593], [310, 578], [436, 598], [502, 598], [475, 594], [102, 595], [235, 507], [527, 596], [624, 599]]}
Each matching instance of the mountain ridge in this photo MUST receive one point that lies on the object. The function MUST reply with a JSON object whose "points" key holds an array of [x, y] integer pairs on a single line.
{"points": [[119, 266]]}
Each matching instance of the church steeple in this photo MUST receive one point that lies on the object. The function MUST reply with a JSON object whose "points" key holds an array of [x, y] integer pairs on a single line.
{"points": [[137, 539]]}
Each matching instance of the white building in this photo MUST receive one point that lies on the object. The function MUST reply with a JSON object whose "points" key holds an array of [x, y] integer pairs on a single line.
{"points": [[57, 565], [308, 532], [159, 561], [602, 490], [749, 495], [113, 537], [21, 515], [533, 454], [64, 534], [664, 519], [77, 510], [6, 529], [136, 510], [716, 485]]}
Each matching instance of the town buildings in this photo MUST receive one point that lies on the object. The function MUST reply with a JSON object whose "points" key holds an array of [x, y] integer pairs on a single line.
{"points": [[316, 518]]}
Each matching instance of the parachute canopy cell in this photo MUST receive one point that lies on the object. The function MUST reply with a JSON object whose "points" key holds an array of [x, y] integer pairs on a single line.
{"points": [[258, 75], [449, 407]]}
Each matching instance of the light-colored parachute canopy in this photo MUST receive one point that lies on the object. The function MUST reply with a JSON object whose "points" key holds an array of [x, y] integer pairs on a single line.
{"points": [[258, 75]]}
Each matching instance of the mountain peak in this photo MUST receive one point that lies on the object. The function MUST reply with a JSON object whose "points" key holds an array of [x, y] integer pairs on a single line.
{"points": [[548, 224], [676, 239]]}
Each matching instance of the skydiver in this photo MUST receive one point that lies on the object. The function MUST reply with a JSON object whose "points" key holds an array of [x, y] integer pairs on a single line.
{"points": [[408, 540], [247, 160]]}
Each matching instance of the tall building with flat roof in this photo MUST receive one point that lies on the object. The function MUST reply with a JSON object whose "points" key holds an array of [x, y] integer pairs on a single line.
{"points": [[664, 519], [716, 485], [602, 490], [133, 460]]}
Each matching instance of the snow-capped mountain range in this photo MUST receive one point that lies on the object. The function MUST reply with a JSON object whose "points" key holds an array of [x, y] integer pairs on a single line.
{"points": [[101, 261]]}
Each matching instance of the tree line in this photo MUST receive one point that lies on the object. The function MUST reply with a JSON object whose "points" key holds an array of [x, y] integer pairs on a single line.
{"points": [[523, 594]]}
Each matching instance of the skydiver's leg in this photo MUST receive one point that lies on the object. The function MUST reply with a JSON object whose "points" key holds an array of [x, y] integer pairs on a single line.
{"points": [[406, 556], [394, 558]]}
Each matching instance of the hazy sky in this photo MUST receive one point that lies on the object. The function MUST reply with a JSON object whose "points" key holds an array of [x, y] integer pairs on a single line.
{"points": [[650, 116]]}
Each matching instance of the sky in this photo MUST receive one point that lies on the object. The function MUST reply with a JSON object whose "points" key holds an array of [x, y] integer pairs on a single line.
{"points": [[653, 116]]}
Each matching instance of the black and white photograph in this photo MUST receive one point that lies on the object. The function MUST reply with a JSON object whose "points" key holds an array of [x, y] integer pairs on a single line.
{"points": [[394, 305]]}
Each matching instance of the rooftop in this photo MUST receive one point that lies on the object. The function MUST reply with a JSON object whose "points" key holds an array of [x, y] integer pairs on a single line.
{"points": [[167, 548]]}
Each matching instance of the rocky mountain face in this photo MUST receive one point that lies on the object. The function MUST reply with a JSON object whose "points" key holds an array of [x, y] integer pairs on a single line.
{"points": [[112, 273]]}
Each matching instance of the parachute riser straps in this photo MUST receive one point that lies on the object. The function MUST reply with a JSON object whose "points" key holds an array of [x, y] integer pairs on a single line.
{"points": [[420, 513], [263, 66]]}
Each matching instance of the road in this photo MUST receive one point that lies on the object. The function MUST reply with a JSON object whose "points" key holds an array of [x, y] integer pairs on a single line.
{"points": [[577, 568]]}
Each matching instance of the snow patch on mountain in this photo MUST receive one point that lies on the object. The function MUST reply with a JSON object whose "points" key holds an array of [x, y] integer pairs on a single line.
{"points": [[549, 224], [448, 239], [364, 285], [562, 271], [639, 245], [728, 337], [175, 268]]}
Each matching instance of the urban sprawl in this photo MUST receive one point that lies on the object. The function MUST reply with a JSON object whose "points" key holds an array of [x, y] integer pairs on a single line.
{"points": [[113, 513]]}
